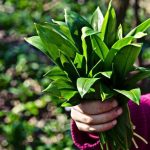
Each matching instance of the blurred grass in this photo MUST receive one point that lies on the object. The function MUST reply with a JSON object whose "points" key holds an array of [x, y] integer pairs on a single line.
{"points": [[30, 119]]}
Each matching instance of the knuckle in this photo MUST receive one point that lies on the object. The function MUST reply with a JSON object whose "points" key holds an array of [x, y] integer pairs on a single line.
{"points": [[88, 120]]}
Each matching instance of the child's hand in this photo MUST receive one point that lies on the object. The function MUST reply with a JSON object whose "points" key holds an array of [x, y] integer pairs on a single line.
{"points": [[96, 116]]}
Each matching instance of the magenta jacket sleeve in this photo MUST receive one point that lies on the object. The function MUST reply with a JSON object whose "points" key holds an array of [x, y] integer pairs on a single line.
{"points": [[140, 116]]}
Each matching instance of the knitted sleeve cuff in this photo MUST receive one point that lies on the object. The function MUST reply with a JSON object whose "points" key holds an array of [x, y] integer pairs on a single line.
{"points": [[84, 140]]}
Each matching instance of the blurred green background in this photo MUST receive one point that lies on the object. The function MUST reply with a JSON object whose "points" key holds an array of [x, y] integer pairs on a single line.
{"points": [[30, 119]]}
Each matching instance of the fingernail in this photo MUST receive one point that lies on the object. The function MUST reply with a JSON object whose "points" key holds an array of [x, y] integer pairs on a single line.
{"points": [[91, 129], [115, 104], [119, 111], [114, 122]]}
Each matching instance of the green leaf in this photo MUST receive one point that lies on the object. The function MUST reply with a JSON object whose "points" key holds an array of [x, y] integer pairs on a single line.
{"points": [[37, 43], [139, 35], [86, 44], [52, 90], [95, 69], [61, 28], [120, 32], [56, 73], [75, 100], [97, 20], [124, 60], [54, 42], [106, 92], [106, 74], [140, 28], [75, 23], [113, 51], [70, 68], [99, 47], [133, 94], [142, 74], [84, 85], [108, 31]]}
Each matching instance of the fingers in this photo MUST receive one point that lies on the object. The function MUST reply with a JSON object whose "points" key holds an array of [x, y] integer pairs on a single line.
{"points": [[96, 128], [96, 107], [95, 119]]}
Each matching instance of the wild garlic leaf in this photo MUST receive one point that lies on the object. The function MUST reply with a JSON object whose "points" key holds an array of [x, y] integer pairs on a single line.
{"points": [[53, 90], [140, 75], [75, 23], [124, 60], [84, 85], [106, 92], [56, 73], [37, 43], [133, 94], [113, 51], [99, 47], [70, 68], [120, 32], [97, 20], [140, 28], [108, 30], [61, 28], [55, 42]]}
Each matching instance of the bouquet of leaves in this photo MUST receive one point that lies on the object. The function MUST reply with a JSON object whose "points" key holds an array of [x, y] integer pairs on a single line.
{"points": [[94, 62]]}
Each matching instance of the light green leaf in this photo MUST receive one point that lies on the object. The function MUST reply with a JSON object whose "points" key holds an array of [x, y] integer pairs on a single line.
{"points": [[37, 43], [106, 74], [108, 31], [139, 35], [97, 20], [140, 28], [99, 47], [84, 84], [120, 32], [133, 94], [124, 60]]}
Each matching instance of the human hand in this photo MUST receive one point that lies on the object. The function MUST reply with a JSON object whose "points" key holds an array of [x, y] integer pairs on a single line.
{"points": [[96, 116]]}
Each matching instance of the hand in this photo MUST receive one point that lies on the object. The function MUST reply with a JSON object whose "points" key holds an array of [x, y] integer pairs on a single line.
{"points": [[96, 116]]}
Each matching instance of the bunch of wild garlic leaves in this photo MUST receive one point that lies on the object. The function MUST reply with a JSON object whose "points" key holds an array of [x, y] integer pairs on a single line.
{"points": [[93, 61]]}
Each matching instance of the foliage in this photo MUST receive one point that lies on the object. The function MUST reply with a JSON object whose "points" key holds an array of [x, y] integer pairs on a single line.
{"points": [[23, 108], [93, 60]]}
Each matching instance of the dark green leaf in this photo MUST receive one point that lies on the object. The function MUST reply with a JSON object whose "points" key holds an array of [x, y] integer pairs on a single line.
{"points": [[54, 42], [52, 90], [113, 51], [106, 92], [56, 73], [75, 23], [124, 60], [99, 47], [142, 74]]}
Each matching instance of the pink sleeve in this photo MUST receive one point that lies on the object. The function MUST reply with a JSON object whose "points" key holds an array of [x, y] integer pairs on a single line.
{"points": [[140, 117]]}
